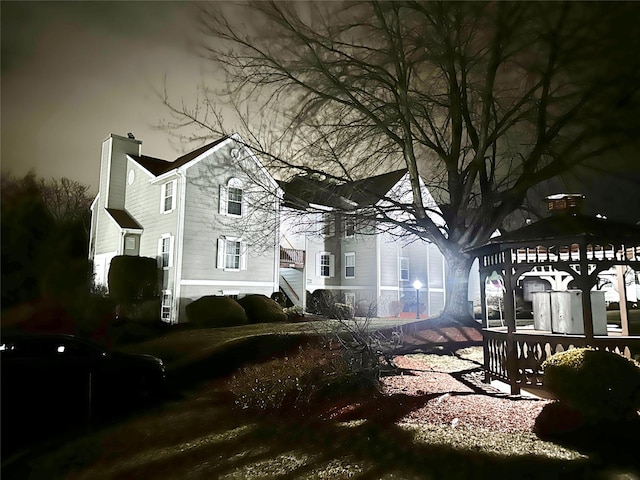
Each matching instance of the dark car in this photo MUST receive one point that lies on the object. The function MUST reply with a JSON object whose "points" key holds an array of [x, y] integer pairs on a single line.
{"points": [[62, 380]]}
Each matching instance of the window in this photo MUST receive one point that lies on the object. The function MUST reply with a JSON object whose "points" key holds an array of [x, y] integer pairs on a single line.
{"points": [[232, 198], [168, 200], [328, 225], [232, 254], [165, 312], [404, 269], [349, 226], [350, 299], [325, 264], [350, 265], [130, 242], [165, 251]]}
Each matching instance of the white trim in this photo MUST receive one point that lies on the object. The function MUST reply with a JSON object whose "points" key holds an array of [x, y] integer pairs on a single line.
{"points": [[315, 286], [230, 283], [317, 206], [149, 174], [393, 288], [179, 237], [127, 230], [109, 142]]}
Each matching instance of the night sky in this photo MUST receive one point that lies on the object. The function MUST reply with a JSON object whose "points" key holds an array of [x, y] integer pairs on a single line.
{"points": [[74, 72]]}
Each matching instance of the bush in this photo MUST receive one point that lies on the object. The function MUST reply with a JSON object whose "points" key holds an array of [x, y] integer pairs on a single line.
{"points": [[294, 314], [342, 311], [365, 308], [261, 309], [133, 278], [297, 382], [281, 299], [320, 302], [146, 311], [216, 311], [597, 383]]}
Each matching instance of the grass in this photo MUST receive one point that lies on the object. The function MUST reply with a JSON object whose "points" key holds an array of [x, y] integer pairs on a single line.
{"points": [[200, 435]]}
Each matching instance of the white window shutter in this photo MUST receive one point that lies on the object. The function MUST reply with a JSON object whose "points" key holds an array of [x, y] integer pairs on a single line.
{"points": [[221, 245], [174, 195], [222, 205], [243, 255], [318, 266], [162, 194], [170, 250], [332, 265], [159, 257]]}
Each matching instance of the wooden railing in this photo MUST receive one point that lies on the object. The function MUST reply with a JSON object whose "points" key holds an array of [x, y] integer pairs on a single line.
{"points": [[517, 358], [291, 258]]}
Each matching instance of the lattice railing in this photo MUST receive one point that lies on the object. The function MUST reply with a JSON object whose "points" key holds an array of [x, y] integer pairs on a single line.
{"points": [[531, 350]]}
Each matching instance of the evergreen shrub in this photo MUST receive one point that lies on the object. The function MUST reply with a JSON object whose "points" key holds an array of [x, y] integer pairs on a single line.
{"points": [[133, 278], [342, 311], [261, 309], [599, 384], [215, 311], [321, 302]]}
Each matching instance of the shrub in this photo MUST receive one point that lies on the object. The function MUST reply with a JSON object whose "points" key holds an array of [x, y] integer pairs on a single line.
{"points": [[294, 314], [133, 278], [320, 302], [342, 311], [597, 383], [366, 308], [146, 311], [395, 307], [261, 309], [297, 382], [281, 299], [216, 311]]}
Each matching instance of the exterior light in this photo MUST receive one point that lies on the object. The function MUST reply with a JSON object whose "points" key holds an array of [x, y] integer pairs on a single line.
{"points": [[417, 284]]}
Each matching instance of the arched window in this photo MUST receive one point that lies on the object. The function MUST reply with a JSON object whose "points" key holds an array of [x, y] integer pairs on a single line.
{"points": [[232, 198]]}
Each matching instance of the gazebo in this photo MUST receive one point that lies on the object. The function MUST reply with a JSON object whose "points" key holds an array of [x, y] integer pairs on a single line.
{"points": [[565, 241]]}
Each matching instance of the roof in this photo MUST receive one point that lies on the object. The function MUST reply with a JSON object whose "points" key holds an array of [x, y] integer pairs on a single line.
{"points": [[571, 226], [157, 166], [123, 219], [302, 191]]}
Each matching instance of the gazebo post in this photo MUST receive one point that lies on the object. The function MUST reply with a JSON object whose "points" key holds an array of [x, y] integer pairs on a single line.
{"points": [[622, 291], [485, 323], [585, 287], [510, 316]]}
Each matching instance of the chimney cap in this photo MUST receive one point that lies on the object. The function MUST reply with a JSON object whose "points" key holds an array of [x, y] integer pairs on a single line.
{"points": [[560, 196], [131, 136]]}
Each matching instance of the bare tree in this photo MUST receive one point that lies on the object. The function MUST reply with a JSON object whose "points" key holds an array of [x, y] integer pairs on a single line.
{"points": [[483, 101]]}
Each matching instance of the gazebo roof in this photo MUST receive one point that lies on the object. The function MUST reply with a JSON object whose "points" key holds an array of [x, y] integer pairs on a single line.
{"points": [[571, 227]]}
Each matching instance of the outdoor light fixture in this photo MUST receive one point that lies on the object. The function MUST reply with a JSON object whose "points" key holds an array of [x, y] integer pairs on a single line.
{"points": [[417, 284]]}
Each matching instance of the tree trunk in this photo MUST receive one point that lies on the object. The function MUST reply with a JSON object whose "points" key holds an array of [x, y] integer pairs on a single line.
{"points": [[456, 306]]}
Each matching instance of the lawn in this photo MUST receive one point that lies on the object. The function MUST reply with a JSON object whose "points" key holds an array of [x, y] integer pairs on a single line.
{"points": [[200, 434]]}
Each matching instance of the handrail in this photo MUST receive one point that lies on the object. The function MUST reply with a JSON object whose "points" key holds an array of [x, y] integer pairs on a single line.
{"points": [[293, 290]]}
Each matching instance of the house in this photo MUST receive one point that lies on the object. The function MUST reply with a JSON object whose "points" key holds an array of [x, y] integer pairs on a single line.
{"points": [[339, 245], [210, 217], [219, 224]]}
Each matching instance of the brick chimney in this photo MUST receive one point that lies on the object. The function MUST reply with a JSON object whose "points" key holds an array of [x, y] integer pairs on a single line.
{"points": [[564, 203]]}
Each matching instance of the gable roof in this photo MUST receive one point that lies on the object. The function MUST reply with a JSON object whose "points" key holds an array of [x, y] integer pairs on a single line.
{"points": [[302, 191], [157, 166], [369, 191], [123, 219]]}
